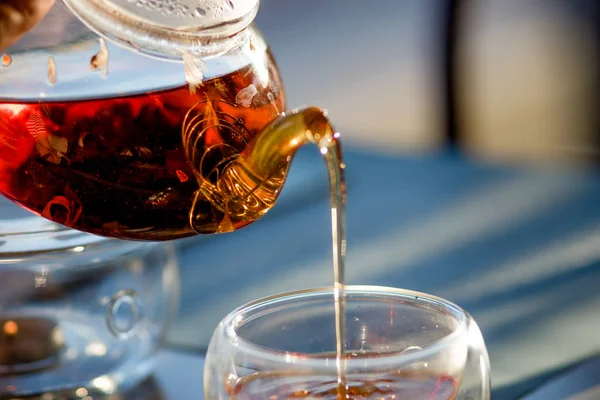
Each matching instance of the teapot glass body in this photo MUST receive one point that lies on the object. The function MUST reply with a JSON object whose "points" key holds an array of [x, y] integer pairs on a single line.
{"points": [[107, 141]]}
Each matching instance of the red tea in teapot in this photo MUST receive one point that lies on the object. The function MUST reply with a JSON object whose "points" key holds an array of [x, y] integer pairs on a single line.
{"points": [[121, 166]]}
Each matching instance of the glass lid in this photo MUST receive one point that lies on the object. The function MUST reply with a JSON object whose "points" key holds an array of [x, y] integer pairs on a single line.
{"points": [[167, 29]]}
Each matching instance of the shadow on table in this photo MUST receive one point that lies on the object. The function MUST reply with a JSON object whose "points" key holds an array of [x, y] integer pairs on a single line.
{"points": [[522, 388], [557, 384]]}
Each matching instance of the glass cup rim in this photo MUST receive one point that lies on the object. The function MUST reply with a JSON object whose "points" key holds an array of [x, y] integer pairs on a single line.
{"points": [[233, 320]]}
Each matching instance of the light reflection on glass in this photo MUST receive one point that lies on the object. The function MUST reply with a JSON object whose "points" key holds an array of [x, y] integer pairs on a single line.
{"points": [[96, 349], [105, 384]]}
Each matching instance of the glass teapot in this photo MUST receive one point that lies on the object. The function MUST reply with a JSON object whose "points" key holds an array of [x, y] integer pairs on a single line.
{"points": [[153, 120]]}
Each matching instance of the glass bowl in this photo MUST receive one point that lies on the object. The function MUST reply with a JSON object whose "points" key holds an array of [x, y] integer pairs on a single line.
{"points": [[79, 314]]}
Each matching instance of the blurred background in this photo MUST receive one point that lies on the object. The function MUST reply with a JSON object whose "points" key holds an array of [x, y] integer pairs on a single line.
{"points": [[471, 134], [506, 80]]}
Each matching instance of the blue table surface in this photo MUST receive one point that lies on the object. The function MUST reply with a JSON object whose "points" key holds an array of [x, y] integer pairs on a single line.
{"points": [[518, 248]]}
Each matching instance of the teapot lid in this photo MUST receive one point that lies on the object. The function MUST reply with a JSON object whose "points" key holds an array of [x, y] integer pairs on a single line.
{"points": [[166, 29], [22, 232]]}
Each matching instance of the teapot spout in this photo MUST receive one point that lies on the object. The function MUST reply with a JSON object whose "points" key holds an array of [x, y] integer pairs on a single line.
{"points": [[251, 183]]}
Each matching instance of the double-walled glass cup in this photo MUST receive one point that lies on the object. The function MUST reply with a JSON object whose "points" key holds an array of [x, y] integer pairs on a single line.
{"points": [[399, 345]]}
